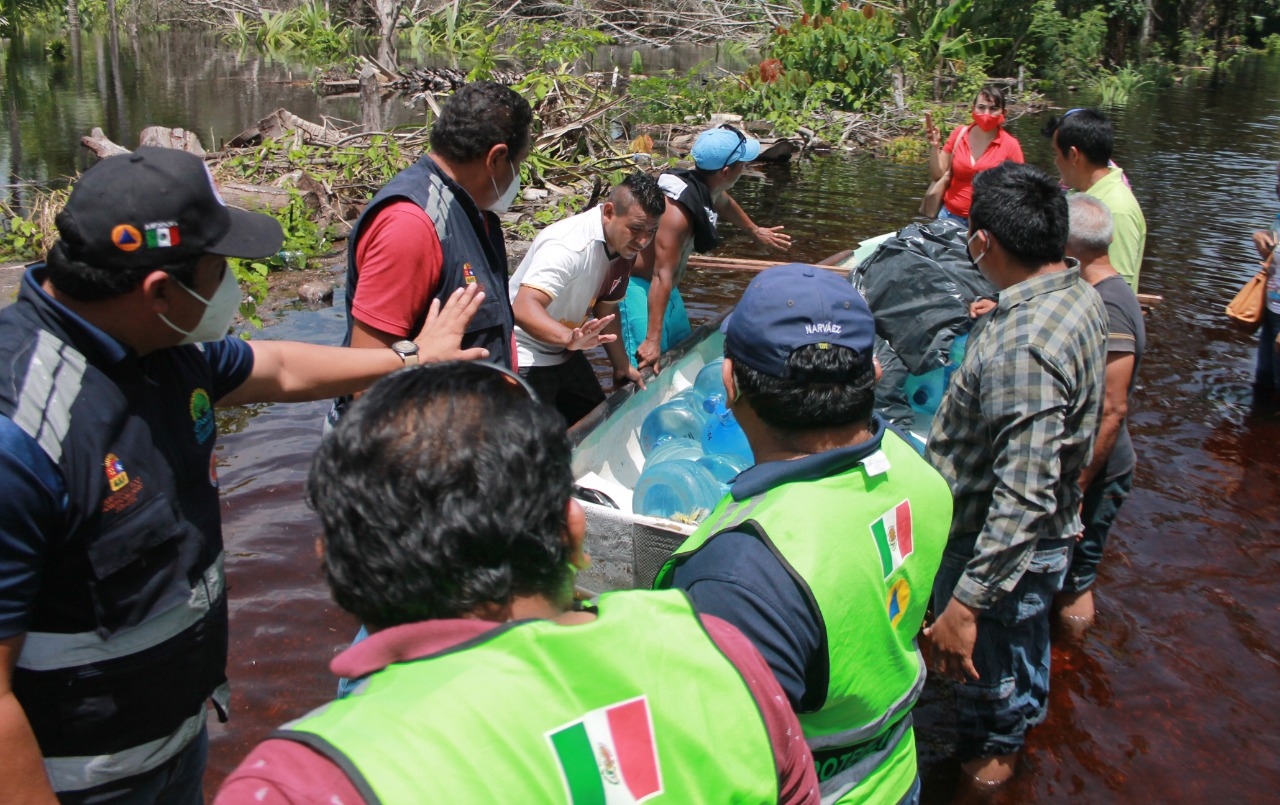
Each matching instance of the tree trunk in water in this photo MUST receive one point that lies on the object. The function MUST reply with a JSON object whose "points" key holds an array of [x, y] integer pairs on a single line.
{"points": [[387, 12], [1144, 35]]}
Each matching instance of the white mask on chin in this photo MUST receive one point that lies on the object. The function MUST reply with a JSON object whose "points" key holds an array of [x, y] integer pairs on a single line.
{"points": [[504, 199], [219, 310]]}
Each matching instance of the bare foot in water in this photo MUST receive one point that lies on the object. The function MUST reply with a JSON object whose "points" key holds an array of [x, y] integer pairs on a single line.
{"points": [[989, 773], [1075, 612]]}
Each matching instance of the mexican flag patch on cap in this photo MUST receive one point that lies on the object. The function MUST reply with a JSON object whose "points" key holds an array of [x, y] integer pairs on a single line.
{"points": [[608, 756]]}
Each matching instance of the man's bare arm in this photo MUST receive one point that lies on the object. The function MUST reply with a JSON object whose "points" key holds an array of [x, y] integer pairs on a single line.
{"points": [[1115, 407], [771, 237], [21, 766], [668, 245]]}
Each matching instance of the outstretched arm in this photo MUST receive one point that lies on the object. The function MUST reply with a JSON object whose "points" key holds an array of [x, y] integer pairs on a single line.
{"points": [[291, 371], [771, 237]]}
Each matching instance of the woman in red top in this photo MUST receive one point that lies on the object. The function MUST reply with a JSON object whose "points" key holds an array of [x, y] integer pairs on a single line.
{"points": [[971, 149]]}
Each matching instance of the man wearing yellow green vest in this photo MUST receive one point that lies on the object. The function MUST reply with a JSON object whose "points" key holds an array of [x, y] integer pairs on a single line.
{"points": [[824, 553], [449, 531]]}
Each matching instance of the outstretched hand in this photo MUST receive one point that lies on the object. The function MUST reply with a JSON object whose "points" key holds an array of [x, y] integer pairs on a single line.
{"points": [[589, 334], [441, 336], [627, 375], [772, 237]]}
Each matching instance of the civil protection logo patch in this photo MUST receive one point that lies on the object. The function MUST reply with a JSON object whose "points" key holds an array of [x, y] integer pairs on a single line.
{"points": [[898, 601], [202, 415], [126, 238], [468, 274], [117, 478]]}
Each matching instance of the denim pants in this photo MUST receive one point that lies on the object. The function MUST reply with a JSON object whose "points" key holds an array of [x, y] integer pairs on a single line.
{"points": [[1266, 373], [1102, 501], [944, 215], [180, 781], [1011, 694]]}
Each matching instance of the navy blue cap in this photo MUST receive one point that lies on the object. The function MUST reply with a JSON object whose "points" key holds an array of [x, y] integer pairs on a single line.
{"points": [[796, 305]]}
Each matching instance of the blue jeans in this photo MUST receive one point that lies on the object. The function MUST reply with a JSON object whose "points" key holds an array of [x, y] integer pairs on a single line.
{"points": [[345, 685], [1011, 694], [947, 215], [177, 782], [1102, 501], [1266, 374]]}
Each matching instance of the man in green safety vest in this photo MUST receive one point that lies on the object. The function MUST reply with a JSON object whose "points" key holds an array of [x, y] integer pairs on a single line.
{"points": [[824, 552], [444, 496]]}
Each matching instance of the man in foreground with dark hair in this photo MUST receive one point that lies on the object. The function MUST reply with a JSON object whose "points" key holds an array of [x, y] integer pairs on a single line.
{"points": [[652, 312], [434, 228], [444, 496], [565, 295], [113, 610], [1083, 140], [1012, 435], [824, 552]]}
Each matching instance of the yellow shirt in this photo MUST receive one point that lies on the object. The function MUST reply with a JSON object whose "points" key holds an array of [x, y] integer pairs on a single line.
{"points": [[1130, 233]]}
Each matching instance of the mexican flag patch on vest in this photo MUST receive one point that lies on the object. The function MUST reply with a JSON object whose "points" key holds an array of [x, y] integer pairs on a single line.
{"points": [[893, 537], [608, 756]]}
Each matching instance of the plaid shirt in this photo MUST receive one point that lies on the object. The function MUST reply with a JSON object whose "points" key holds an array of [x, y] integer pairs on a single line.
{"points": [[1017, 426]]}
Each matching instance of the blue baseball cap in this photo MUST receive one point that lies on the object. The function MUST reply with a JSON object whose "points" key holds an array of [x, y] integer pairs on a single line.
{"points": [[721, 147], [796, 305]]}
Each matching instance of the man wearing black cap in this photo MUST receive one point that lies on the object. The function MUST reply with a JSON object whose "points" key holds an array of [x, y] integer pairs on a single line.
{"points": [[824, 552], [113, 613]]}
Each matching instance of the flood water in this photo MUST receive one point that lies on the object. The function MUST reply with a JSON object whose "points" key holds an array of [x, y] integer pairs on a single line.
{"points": [[1173, 696]]}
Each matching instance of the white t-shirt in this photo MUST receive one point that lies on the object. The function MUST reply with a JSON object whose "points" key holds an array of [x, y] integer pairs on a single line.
{"points": [[568, 263]]}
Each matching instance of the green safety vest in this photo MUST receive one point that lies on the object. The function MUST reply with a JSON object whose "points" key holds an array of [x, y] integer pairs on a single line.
{"points": [[596, 713], [864, 546]]}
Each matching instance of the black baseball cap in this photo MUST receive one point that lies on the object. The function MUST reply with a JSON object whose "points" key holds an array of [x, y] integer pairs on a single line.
{"points": [[796, 305], [156, 207]]}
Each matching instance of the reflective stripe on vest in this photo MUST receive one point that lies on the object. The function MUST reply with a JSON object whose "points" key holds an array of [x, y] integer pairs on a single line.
{"points": [[49, 651], [79, 773], [622, 708], [850, 769], [869, 590]]}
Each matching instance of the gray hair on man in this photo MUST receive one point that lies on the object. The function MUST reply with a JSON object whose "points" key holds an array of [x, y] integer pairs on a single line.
{"points": [[1090, 228]]}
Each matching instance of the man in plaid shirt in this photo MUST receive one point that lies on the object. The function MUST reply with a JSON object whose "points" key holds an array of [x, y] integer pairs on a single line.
{"points": [[1011, 437]]}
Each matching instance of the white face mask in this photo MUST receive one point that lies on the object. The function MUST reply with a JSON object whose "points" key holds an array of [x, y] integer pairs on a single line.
{"points": [[504, 199], [219, 310]]}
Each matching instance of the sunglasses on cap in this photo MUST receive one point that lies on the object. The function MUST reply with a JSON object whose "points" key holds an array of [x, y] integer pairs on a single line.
{"points": [[740, 147]]}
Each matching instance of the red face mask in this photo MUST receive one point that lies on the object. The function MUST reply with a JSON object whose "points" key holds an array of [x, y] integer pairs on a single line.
{"points": [[988, 122]]}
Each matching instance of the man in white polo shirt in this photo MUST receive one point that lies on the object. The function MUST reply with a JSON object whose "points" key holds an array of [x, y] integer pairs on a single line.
{"points": [[566, 291]]}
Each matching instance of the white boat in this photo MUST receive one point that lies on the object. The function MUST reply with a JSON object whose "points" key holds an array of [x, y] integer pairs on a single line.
{"points": [[628, 549]]}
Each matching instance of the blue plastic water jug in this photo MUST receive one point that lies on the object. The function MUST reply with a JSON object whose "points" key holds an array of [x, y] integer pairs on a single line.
{"points": [[924, 392], [680, 417], [709, 382], [723, 468], [722, 435], [674, 448], [676, 489]]}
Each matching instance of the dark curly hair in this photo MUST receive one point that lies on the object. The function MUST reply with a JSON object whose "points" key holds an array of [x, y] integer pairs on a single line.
{"points": [[443, 489], [479, 116], [1024, 209], [642, 189], [826, 388], [90, 283]]}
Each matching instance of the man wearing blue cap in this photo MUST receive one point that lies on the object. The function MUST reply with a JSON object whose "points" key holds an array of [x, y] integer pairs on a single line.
{"points": [[113, 604], [652, 312], [824, 552]]}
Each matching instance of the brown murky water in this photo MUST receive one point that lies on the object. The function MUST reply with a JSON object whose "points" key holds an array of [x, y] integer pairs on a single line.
{"points": [[1173, 696]]}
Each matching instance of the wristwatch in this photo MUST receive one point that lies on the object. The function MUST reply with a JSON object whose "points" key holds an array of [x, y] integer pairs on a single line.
{"points": [[408, 352]]}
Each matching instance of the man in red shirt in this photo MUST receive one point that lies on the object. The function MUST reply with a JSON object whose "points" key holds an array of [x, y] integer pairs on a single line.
{"points": [[434, 228]]}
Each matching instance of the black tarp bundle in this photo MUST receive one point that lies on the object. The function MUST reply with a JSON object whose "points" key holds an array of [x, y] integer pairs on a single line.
{"points": [[919, 285]]}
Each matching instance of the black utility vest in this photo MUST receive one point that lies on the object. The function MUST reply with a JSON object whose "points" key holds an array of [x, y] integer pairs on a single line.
{"points": [[128, 636], [473, 248]]}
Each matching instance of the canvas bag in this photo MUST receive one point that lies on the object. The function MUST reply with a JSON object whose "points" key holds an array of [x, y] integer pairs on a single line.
{"points": [[1246, 310]]}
